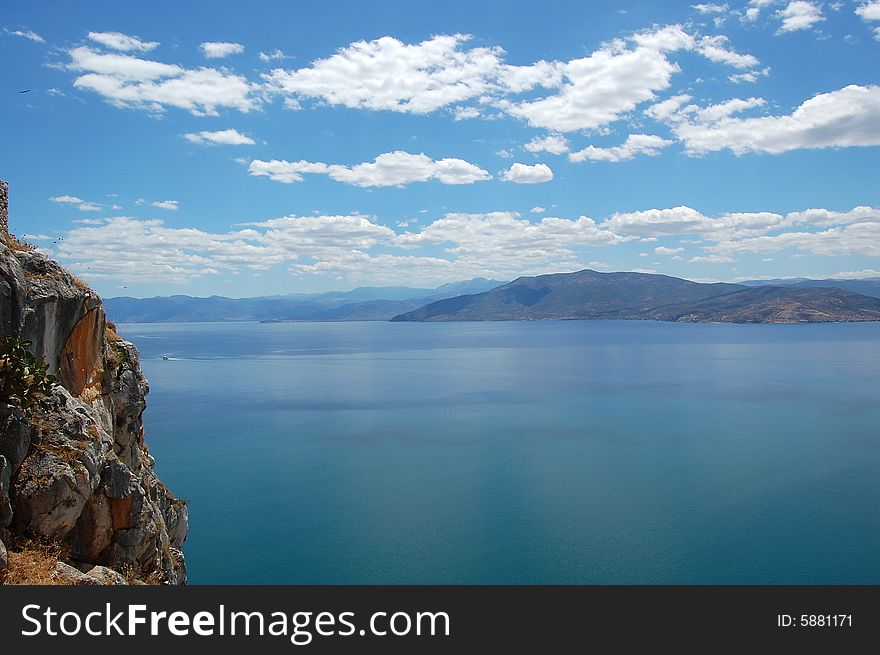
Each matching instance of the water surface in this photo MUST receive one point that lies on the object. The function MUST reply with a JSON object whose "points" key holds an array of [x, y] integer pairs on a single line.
{"points": [[531, 452]]}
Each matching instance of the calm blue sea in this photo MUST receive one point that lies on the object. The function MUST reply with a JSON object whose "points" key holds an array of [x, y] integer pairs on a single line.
{"points": [[531, 452]]}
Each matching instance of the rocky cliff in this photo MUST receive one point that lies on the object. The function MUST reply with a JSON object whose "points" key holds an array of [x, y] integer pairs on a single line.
{"points": [[78, 473]]}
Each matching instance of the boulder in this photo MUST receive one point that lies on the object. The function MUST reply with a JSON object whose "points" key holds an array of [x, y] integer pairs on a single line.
{"points": [[70, 575]]}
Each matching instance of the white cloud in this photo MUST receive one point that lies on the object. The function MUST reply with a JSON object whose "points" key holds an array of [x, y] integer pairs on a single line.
{"points": [[82, 205], [26, 34], [275, 55], [537, 210], [799, 15], [525, 174], [504, 243], [855, 239], [854, 275], [869, 10], [391, 75], [456, 246], [122, 67], [751, 77], [635, 144], [169, 205], [665, 109], [586, 93], [220, 49], [710, 259], [220, 137], [396, 168], [599, 89], [843, 118], [663, 250], [659, 222], [752, 13], [128, 81], [711, 8], [124, 42], [715, 113], [555, 144], [465, 113], [517, 79], [715, 48], [825, 218]]}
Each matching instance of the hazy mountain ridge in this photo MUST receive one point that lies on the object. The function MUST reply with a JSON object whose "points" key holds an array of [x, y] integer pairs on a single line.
{"points": [[361, 304], [864, 286], [589, 295]]}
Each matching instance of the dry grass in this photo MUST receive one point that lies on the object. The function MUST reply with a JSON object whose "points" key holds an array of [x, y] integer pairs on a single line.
{"points": [[33, 563], [79, 284], [17, 245]]}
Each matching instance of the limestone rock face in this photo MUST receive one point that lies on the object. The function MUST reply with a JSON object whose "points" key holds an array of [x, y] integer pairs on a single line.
{"points": [[80, 472]]}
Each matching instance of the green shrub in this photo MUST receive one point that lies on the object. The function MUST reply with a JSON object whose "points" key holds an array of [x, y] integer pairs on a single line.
{"points": [[23, 377]]}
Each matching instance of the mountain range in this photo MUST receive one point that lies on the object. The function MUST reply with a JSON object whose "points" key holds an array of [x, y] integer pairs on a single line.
{"points": [[361, 304], [590, 295], [583, 295]]}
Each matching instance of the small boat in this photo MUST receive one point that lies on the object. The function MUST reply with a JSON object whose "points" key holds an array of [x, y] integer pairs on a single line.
{"points": [[165, 357]]}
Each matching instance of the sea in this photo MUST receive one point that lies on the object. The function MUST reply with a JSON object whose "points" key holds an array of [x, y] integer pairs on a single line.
{"points": [[538, 452]]}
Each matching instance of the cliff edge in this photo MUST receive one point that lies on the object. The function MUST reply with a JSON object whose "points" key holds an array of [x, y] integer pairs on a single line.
{"points": [[77, 473]]}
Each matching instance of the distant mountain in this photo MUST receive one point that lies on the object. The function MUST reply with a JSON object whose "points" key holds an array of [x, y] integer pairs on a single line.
{"points": [[866, 286], [361, 304], [641, 296]]}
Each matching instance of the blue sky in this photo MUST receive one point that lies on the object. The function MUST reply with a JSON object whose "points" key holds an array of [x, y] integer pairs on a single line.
{"points": [[278, 147]]}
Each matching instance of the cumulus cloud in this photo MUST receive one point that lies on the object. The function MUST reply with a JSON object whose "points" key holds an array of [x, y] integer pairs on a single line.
{"points": [[124, 42], [799, 15], [599, 89], [537, 210], [220, 49], [711, 8], [665, 109], [664, 250], [170, 205], [555, 144], [30, 35], [391, 75], [229, 137], [584, 93], [275, 55], [635, 144], [525, 174], [465, 113], [847, 117], [715, 48], [495, 243], [751, 77], [869, 10], [507, 244], [396, 168], [82, 205], [129, 81], [455, 246]]}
